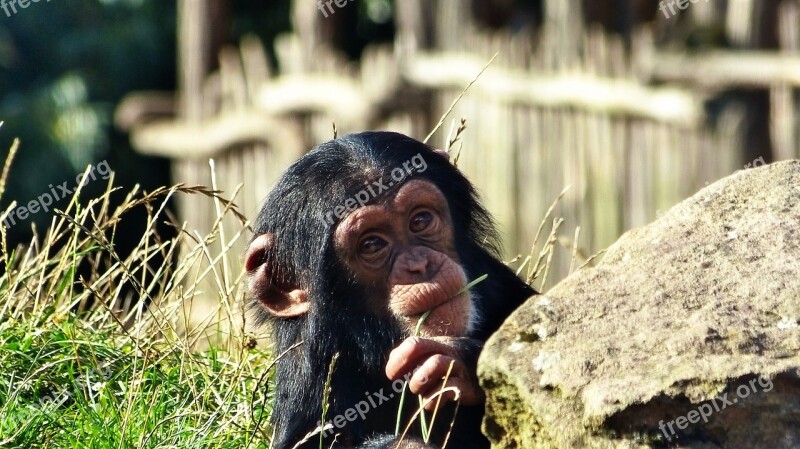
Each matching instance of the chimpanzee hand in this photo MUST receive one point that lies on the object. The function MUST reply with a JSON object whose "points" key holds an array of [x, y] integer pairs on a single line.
{"points": [[430, 358]]}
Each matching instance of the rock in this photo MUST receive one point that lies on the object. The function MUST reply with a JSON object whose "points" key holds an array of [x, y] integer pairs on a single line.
{"points": [[686, 335]]}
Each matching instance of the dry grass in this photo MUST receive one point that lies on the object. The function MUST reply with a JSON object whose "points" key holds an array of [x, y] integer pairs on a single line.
{"points": [[129, 371]]}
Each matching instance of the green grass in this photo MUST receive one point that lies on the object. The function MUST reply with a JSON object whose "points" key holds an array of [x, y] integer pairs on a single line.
{"points": [[79, 377], [65, 384]]}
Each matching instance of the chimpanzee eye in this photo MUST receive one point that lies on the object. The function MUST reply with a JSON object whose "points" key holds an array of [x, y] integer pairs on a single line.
{"points": [[372, 245], [420, 221]]}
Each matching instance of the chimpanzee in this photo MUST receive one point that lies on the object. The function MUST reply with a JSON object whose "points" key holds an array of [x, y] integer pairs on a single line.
{"points": [[359, 238]]}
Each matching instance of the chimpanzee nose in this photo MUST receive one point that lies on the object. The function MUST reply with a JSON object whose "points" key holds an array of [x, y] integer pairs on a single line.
{"points": [[416, 264]]}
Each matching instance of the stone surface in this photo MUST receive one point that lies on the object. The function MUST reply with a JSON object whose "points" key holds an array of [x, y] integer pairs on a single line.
{"points": [[702, 304]]}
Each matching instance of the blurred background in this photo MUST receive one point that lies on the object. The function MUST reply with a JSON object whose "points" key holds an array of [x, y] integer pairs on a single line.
{"points": [[633, 104]]}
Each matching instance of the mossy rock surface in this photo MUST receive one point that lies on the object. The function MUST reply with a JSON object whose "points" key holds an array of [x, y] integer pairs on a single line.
{"points": [[702, 304]]}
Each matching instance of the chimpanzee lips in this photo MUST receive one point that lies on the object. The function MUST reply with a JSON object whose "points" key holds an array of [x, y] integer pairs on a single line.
{"points": [[449, 319], [442, 295], [416, 299]]}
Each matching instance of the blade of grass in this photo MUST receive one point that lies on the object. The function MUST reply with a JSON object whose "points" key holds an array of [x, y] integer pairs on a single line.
{"points": [[7, 166], [438, 399], [326, 395], [574, 249], [475, 282], [533, 269], [405, 383], [432, 398], [458, 98]]}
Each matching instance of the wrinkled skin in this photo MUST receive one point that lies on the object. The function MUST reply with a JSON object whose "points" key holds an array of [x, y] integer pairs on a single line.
{"points": [[406, 243]]}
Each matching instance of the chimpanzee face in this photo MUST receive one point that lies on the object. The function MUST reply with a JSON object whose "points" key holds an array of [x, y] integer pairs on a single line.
{"points": [[402, 251]]}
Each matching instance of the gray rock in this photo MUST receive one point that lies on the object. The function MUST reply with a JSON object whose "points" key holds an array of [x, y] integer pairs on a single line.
{"points": [[701, 305]]}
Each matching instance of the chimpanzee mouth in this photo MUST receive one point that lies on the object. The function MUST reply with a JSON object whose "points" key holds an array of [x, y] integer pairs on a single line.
{"points": [[445, 296], [412, 300], [450, 318], [435, 296]]}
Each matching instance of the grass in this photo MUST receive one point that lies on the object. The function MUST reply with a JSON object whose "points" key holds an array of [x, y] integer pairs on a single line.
{"points": [[133, 370], [78, 377]]}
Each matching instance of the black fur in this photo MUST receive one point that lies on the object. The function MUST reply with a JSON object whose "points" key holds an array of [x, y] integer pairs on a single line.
{"points": [[338, 321]]}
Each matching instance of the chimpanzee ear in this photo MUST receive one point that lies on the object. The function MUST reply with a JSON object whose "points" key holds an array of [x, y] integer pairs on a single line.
{"points": [[280, 299]]}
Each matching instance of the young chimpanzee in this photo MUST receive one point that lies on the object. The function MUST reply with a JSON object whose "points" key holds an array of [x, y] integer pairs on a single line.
{"points": [[359, 239]]}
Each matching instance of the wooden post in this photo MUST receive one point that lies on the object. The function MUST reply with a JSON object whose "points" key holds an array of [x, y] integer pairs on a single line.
{"points": [[564, 29], [414, 27], [782, 98], [194, 56]]}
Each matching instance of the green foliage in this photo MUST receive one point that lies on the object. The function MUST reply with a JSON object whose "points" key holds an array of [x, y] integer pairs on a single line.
{"points": [[82, 368], [67, 385]]}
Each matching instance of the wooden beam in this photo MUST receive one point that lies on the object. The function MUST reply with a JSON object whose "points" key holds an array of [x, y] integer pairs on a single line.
{"points": [[138, 108], [191, 140], [724, 69], [575, 89], [340, 97]]}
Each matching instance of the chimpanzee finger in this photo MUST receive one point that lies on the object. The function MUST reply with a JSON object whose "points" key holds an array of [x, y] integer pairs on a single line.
{"points": [[428, 377], [428, 380], [468, 394], [409, 354]]}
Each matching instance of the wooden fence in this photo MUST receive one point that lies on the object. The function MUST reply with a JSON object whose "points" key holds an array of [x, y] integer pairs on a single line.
{"points": [[624, 121]]}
